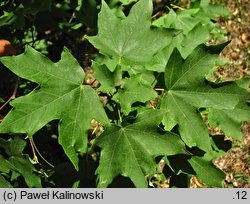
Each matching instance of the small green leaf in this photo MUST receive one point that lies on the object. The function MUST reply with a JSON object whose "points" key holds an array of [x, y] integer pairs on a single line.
{"points": [[131, 150], [207, 172], [185, 43], [14, 146], [133, 90], [230, 120], [107, 79], [209, 10], [4, 183], [146, 77], [198, 35], [14, 18], [183, 20], [5, 165], [26, 169]]}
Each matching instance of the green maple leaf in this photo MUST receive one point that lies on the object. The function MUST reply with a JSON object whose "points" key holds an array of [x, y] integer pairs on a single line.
{"points": [[188, 91], [206, 171], [107, 79], [4, 183], [60, 95], [198, 35], [14, 146], [24, 167], [131, 150], [185, 43], [5, 165], [14, 18], [18, 162], [130, 40], [209, 10], [230, 121], [133, 90], [182, 20]]}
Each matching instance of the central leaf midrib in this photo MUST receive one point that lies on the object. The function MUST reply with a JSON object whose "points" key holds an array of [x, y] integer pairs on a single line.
{"points": [[76, 115], [114, 149], [132, 150]]}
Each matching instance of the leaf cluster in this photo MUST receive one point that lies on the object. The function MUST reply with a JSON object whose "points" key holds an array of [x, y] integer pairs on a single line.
{"points": [[156, 98]]}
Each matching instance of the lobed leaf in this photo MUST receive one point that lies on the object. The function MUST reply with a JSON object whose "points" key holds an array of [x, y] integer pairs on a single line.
{"points": [[133, 90], [207, 172], [130, 40], [131, 150], [60, 95], [230, 120], [26, 169], [188, 91]]}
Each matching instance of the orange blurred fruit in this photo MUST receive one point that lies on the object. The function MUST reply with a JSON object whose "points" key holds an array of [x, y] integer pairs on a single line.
{"points": [[6, 48]]}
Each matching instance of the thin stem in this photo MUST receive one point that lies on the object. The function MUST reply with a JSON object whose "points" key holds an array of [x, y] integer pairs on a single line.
{"points": [[38, 152], [120, 116], [156, 15], [175, 6], [33, 149], [71, 18], [159, 89], [13, 96], [95, 129]]}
